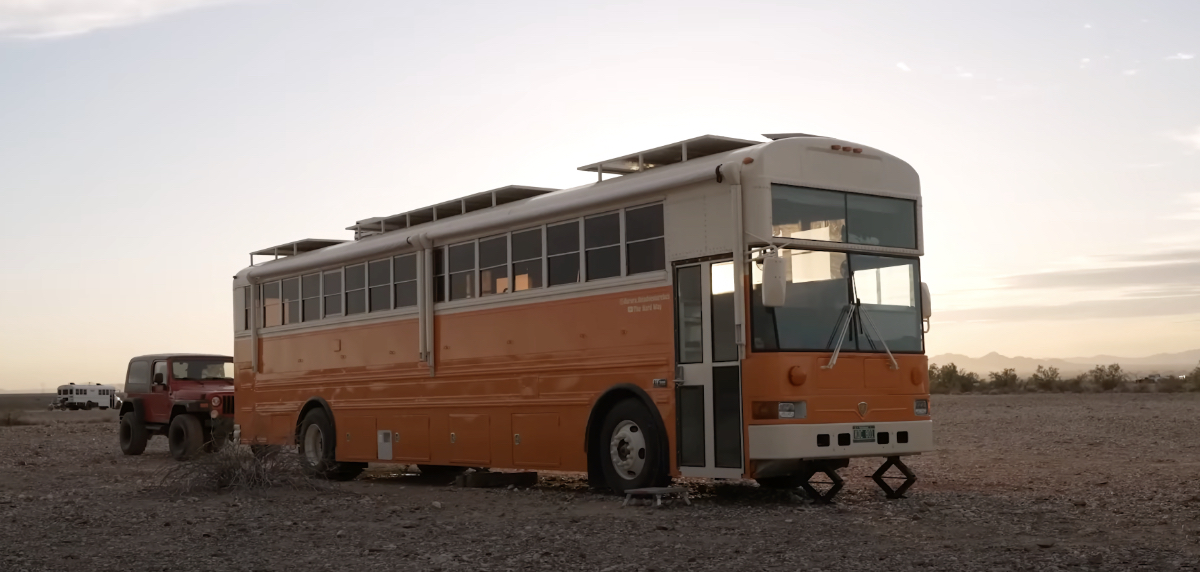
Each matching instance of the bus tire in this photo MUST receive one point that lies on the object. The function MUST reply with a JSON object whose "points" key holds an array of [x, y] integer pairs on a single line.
{"points": [[185, 437], [133, 435], [631, 450], [317, 449]]}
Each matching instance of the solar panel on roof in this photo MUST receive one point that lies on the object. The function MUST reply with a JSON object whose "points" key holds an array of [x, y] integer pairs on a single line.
{"points": [[678, 152], [444, 210]]}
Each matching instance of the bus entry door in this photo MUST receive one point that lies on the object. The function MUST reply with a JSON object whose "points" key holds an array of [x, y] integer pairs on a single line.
{"points": [[709, 388]]}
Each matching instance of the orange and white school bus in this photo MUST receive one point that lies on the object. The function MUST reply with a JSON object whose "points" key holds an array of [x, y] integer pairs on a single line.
{"points": [[723, 308]]}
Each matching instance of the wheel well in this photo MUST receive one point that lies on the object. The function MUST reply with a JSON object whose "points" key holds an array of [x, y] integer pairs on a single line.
{"points": [[176, 411], [311, 404], [611, 397]]}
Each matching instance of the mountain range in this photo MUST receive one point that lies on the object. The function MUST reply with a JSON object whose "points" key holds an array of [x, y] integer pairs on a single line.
{"points": [[1166, 363]]}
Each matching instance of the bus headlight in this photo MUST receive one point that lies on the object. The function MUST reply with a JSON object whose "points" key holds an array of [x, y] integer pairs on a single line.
{"points": [[779, 409], [921, 407]]}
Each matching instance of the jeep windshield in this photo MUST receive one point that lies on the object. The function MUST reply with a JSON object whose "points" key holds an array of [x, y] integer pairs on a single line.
{"points": [[201, 370]]}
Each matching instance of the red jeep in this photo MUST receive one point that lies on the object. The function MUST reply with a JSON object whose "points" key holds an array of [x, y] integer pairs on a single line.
{"points": [[187, 397]]}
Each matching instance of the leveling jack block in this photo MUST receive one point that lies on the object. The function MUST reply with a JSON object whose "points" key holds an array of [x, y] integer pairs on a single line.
{"points": [[909, 478], [834, 479]]}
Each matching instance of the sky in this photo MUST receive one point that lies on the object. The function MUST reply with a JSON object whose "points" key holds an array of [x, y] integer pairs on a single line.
{"points": [[146, 146]]}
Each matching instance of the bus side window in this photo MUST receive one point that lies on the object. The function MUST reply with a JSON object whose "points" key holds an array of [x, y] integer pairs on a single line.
{"points": [[439, 274], [379, 282], [562, 249], [602, 245], [356, 289], [493, 265], [404, 272], [645, 250], [332, 283], [527, 259], [462, 271]]}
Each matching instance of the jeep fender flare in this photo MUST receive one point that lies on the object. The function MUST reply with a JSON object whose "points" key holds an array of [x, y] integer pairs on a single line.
{"points": [[134, 406]]}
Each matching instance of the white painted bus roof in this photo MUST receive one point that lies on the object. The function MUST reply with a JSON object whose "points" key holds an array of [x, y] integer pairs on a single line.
{"points": [[603, 194]]}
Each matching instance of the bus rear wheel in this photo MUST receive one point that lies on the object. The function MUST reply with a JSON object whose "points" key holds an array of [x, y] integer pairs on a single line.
{"points": [[630, 448], [317, 449]]}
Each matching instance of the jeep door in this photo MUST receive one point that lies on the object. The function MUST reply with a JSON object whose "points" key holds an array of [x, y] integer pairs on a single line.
{"points": [[157, 403]]}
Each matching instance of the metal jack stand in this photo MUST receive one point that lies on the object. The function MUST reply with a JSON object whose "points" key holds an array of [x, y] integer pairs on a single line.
{"points": [[812, 492], [909, 478]]}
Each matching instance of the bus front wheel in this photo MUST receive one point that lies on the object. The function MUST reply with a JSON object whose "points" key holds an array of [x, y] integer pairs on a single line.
{"points": [[631, 449]]}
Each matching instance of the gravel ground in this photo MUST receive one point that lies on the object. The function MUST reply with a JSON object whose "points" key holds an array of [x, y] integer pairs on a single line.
{"points": [[1019, 482]]}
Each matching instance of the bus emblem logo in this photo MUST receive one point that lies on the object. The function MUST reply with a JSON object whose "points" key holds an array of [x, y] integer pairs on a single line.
{"points": [[862, 409]]}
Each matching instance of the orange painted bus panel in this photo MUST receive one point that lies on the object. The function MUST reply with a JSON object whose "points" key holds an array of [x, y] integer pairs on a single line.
{"points": [[470, 439], [356, 435], [880, 375], [536, 440], [412, 444]]}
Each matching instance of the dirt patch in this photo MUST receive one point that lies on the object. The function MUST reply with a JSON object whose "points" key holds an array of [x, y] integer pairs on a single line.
{"points": [[1082, 482]]}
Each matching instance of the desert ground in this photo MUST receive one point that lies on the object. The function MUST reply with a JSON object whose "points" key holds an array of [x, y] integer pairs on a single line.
{"points": [[1019, 482]]}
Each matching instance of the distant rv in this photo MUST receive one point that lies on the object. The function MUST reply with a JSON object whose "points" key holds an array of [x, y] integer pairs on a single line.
{"points": [[75, 397]]}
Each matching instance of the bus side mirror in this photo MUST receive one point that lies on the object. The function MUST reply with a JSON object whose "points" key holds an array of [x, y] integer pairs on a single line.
{"points": [[926, 306], [774, 282], [158, 379]]}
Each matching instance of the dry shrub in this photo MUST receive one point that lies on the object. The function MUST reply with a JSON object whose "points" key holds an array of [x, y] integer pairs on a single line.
{"points": [[238, 468], [1171, 385], [13, 419]]}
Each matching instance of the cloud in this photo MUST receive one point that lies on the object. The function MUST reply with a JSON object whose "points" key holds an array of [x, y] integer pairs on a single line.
{"points": [[1180, 269], [1087, 26], [1129, 72], [1190, 139], [1194, 214], [1181, 56], [57, 18], [902, 67], [1091, 309]]}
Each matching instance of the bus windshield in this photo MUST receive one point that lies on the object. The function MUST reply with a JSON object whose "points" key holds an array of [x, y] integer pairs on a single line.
{"points": [[202, 370], [821, 288]]}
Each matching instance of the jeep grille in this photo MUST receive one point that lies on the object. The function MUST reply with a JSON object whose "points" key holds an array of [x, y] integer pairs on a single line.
{"points": [[227, 404]]}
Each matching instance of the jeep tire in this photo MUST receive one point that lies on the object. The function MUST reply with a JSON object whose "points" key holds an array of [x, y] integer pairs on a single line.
{"points": [[185, 437], [318, 449], [133, 434]]}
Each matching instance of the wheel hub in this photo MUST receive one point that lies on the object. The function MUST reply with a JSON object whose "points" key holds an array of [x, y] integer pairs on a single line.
{"points": [[314, 445], [627, 450]]}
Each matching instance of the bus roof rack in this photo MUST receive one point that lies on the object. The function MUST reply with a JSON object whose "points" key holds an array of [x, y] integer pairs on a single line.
{"points": [[296, 247], [455, 207], [678, 152]]}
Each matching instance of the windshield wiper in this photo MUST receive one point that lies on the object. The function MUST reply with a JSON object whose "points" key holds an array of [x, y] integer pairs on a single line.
{"points": [[844, 320]]}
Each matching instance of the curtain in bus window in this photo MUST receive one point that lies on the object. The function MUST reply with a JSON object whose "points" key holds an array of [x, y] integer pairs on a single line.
{"points": [[881, 221]]}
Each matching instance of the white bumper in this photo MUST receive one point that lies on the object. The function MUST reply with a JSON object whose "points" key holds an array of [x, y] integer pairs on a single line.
{"points": [[800, 440]]}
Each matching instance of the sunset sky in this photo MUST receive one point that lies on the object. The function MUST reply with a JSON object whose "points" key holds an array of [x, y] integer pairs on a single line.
{"points": [[146, 146]]}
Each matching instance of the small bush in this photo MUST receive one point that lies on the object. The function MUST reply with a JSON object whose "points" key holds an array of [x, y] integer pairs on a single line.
{"points": [[1171, 385], [236, 467]]}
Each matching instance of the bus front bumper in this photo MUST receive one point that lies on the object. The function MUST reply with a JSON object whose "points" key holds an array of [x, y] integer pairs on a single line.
{"points": [[805, 441]]}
